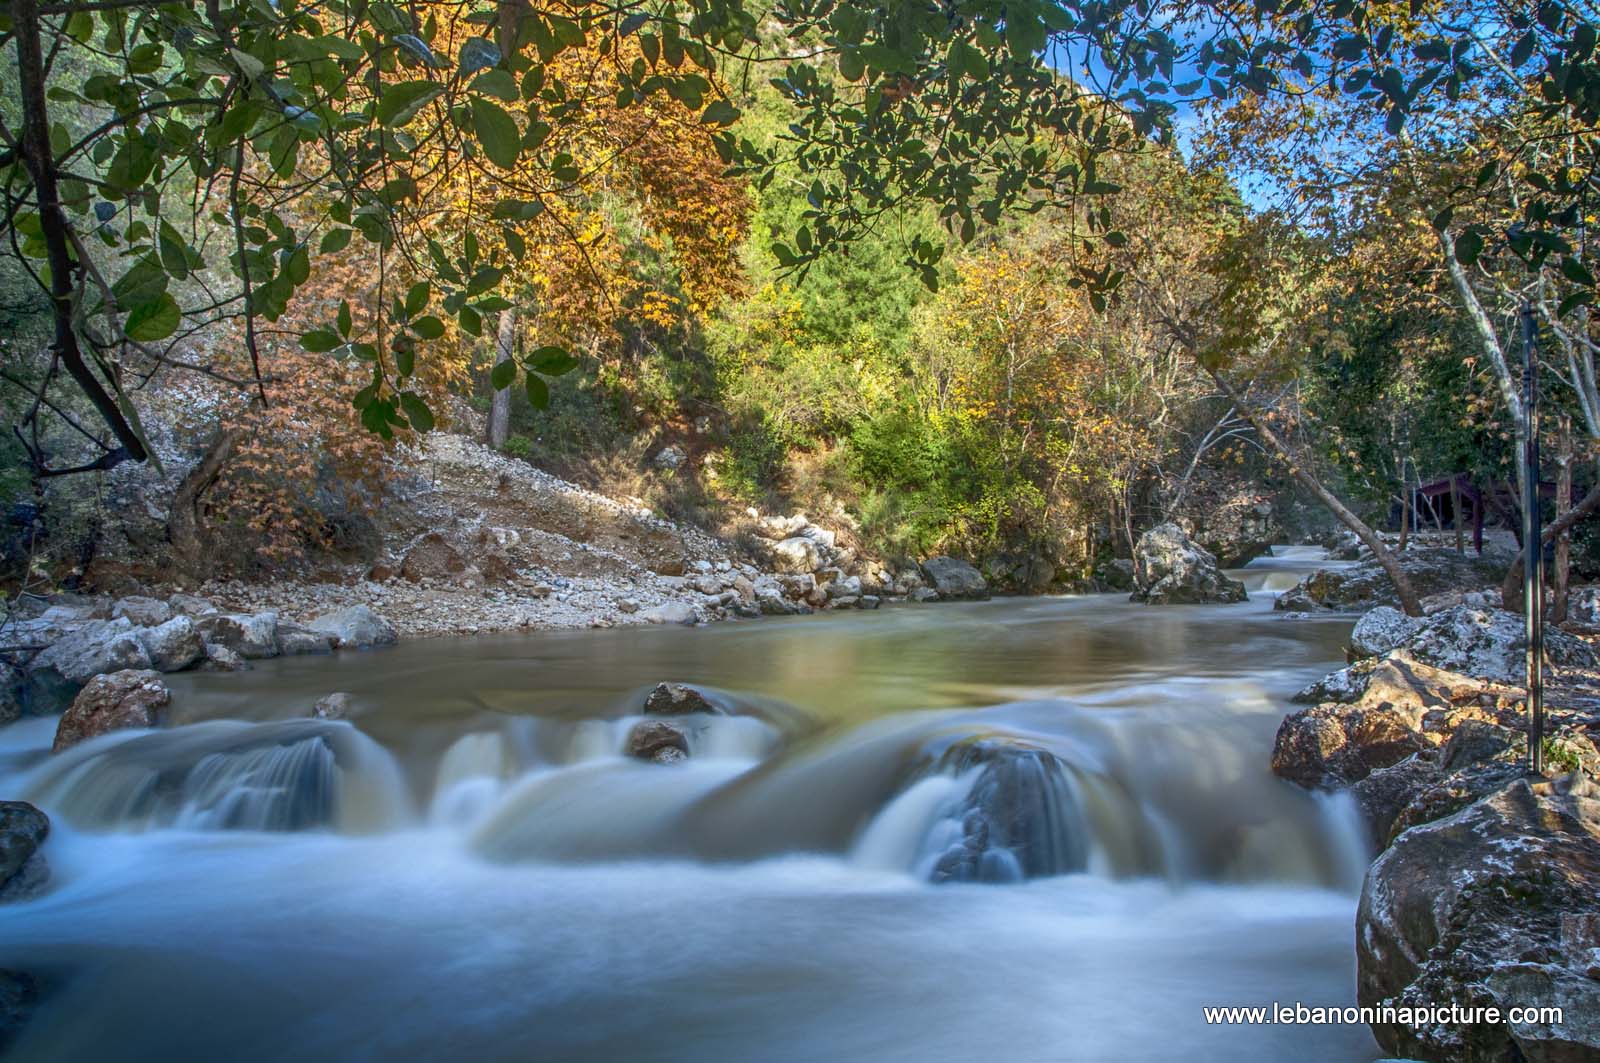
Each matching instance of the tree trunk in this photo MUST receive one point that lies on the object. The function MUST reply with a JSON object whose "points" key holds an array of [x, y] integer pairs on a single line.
{"points": [[1558, 599], [186, 526], [499, 424], [1369, 538]]}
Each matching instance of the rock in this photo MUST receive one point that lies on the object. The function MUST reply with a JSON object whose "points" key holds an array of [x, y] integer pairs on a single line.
{"points": [[657, 741], [23, 871], [1365, 586], [129, 698], [773, 602], [13, 693], [669, 457], [221, 659], [848, 587], [57, 674], [1384, 794], [146, 612], [294, 640], [923, 594], [1115, 574], [174, 645], [870, 601], [746, 589], [432, 557], [1332, 746], [796, 554], [1496, 905], [1168, 569], [1380, 631], [191, 605], [706, 584], [671, 613], [954, 578], [335, 706], [251, 636], [1238, 531], [678, 699], [627, 605], [19, 998], [355, 627], [1438, 603], [1490, 643], [782, 527]]}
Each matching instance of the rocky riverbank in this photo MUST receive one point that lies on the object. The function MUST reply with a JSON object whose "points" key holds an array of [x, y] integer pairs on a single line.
{"points": [[1485, 889]]}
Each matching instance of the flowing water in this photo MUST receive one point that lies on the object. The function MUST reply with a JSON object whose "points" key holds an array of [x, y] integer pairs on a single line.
{"points": [[1027, 829]]}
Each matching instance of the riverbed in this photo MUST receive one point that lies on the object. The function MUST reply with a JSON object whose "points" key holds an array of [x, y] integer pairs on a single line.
{"points": [[468, 868]]}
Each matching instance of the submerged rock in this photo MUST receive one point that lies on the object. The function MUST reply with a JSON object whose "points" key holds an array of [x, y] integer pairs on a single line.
{"points": [[678, 699], [1495, 905], [129, 698], [355, 627], [1170, 569], [657, 741], [23, 871], [335, 706], [955, 579], [221, 659]]}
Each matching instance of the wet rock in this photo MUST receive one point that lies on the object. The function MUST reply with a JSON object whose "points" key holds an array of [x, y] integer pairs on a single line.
{"points": [[13, 693], [1381, 630], [923, 594], [100, 646], [870, 601], [23, 871], [220, 658], [191, 605], [335, 706], [796, 554], [1366, 586], [355, 627], [772, 602], [1332, 746], [1496, 905], [294, 640], [252, 636], [174, 645], [432, 557], [657, 741], [146, 612], [1384, 794], [1169, 569], [954, 578], [678, 699], [129, 698]]}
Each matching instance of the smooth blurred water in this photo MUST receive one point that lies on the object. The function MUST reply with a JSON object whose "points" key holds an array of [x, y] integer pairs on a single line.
{"points": [[469, 869]]}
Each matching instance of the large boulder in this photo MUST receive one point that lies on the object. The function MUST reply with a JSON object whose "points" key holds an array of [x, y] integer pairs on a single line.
{"points": [[953, 578], [1238, 531], [677, 699], [146, 612], [99, 646], [23, 829], [1169, 569], [1494, 906], [355, 627], [251, 636], [1358, 588], [129, 698], [174, 645], [1331, 746], [294, 640], [1381, 630], [1490, 643], [798, 553]]}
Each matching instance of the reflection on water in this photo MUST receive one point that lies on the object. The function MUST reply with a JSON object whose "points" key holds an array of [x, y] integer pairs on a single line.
{"points": [[471, 869]]}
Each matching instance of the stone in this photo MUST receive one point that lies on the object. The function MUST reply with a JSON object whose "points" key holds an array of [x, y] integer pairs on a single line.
{"points": [[1495, 905], [1364, 586], [870, 601], [669, 457], [627, 605], [671, 613], [1332, 746], [253, 636], [954, 578], [174, 645], [1237, 530], [146, 612], [848, 587], [797, 554], [923, 594], [23, 871], [59, 671], [191, 605], [781, 527], [13, 693], [355, 627], [129, 698], [335, 706], [294, 640], [1489, 643], [1170, 569], [220, 658], [678, 699], [656, 741], [1381, 630], [773, 602], [432, 557], [1385, 793], [1115, 574]]}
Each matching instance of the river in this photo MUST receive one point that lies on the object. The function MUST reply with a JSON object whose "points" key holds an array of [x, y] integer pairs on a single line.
{"points": [[469, 869]]}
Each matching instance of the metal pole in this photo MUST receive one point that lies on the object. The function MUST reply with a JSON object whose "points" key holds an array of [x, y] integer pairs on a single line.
{"points": [[1533, 549]]}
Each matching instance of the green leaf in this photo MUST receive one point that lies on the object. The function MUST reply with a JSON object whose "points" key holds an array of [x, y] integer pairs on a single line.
{"points": [[429, 328], [538, 391], [319, 341], [417, 411], [1576, 272], [503, 374], [552, 361], [334, 240], [344, 318], [400, 103], [719, 112], [153, 320], [497, 132], [417, 298], [1469, 245]]}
